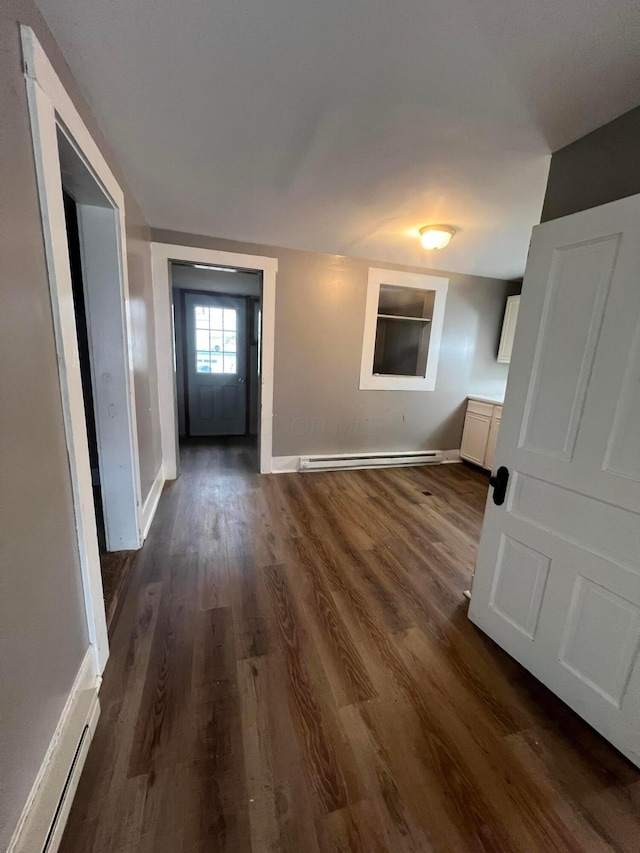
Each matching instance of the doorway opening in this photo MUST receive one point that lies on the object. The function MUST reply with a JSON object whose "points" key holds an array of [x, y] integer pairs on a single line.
{"points": [[163, 257], [93, 241], [217, 326], [84, 355]]}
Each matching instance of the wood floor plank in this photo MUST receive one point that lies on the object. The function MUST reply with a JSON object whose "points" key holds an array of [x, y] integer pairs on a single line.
{"points": [[165, 715], [253, 690], [400, 830], [247, 594], [292, 669], [349, 678], [355, 828], [330, 775], [293, 796]]}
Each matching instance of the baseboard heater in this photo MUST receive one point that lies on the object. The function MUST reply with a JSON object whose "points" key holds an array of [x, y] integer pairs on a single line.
{"points": [[56, 829], [369, 460]]}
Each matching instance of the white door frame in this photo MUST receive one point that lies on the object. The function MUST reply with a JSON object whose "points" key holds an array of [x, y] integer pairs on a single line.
{"points": [[162, 254], [51, 109]]}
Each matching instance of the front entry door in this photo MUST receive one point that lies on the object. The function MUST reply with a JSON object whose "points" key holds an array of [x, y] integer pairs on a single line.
{"points": [[557, 582], [217, 364]]}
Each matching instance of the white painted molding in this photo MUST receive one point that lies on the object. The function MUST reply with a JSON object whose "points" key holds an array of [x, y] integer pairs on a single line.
{"points": [[103, 251], [161, 256], [291, 464], [370, 381], [50, 108], [81, 710], [508, 333], [151, 503], [284, 464]]}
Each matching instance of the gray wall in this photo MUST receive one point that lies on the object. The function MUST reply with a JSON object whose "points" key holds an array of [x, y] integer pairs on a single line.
{"points": [[42, 623], [601, 167], [320, 305]]}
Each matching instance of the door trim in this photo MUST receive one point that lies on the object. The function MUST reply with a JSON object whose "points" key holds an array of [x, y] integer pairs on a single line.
{"points": [[51, 109], [162, 254]]}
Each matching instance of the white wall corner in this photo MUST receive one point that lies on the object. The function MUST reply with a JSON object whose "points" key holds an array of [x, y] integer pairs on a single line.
{"points": [[151, 502], [62, 765], [451, 456]]}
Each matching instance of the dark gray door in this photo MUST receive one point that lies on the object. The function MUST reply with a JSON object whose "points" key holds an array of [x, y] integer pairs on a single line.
{"points": [[216, 364]]}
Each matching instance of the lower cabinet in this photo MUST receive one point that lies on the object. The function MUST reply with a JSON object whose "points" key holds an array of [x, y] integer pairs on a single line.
{"points": [[480, 434]]}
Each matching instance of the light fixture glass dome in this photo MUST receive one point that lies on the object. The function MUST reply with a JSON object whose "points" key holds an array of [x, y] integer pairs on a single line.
{"points": [[436, 236]]}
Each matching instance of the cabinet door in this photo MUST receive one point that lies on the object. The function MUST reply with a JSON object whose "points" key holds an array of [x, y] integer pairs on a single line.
{"points": [[508, 329], [493, 438], [475, 437]]}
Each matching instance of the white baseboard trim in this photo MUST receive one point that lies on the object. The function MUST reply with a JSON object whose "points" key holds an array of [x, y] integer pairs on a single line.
{"points": [[284, 464], [289, 464], [44, 815], [151, 503]]}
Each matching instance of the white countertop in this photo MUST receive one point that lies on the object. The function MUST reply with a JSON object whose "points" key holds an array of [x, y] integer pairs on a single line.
{"points": [[496, 401]]}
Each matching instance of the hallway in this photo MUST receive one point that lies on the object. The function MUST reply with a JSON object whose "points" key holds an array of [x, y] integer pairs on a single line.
{"points": [[292, 669]]}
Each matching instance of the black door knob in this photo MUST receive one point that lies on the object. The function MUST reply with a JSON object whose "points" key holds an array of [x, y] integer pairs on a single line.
{"points": [[499, 483]]}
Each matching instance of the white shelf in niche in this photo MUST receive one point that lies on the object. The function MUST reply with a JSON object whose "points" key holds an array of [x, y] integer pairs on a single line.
{"points": [[403, 321], [402, 317]]}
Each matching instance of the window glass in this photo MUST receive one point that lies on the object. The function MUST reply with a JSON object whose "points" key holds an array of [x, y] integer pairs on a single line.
{"points": [[216, 363], [216, 339], [202, 317]]}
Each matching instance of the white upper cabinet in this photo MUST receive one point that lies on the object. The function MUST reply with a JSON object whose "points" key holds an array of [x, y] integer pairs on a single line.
{"points": [[508, 329]]}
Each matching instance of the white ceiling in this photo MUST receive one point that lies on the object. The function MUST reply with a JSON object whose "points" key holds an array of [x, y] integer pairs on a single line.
{"points": [[343, 126]]}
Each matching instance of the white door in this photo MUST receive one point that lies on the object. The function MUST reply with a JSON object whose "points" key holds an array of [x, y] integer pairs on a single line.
{"points": [[216, 364], [557, 582], [494, 431]]}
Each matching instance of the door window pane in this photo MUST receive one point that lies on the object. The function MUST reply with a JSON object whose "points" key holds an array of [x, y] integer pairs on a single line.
{"points": [[202, 340], [202, 317], [215, 318], [216, 339], [216, 363], [203, 362]]}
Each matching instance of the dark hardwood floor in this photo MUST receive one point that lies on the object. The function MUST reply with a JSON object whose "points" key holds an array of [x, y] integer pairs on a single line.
{"points": [[115, 570], [292, 669]]}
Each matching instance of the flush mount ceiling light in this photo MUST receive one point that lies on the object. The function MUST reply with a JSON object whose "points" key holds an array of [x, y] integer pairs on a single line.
{"points": [[436, 236]]}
